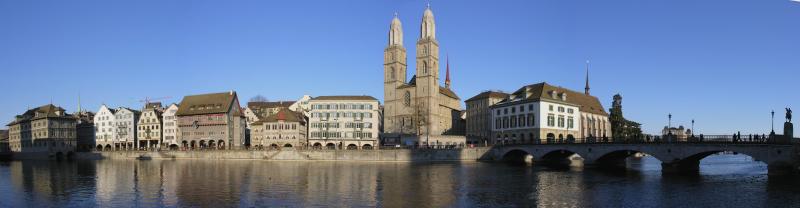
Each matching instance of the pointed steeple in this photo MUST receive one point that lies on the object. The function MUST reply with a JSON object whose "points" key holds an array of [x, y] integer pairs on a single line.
{"points": [[79, 103], [587, 78], [447, 74]]}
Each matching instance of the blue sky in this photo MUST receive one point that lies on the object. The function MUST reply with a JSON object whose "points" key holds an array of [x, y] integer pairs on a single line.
{"points": [[725, 64]]}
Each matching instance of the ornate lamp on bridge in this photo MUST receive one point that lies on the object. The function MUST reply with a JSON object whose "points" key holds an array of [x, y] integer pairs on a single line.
{"points": [[788, 128], [771, 133]]}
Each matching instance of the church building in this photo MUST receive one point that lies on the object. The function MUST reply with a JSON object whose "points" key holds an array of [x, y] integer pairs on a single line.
{"points": [[419, 106]]}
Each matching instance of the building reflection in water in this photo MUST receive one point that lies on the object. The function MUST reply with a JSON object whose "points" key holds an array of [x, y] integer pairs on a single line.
{"points": [[225, 183]]}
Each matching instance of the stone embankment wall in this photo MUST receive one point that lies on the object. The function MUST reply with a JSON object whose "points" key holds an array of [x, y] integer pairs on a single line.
{"points": [[399, 155]]}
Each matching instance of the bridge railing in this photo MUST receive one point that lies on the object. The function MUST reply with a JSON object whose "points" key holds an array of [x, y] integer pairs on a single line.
{"points": [[698, 139]]}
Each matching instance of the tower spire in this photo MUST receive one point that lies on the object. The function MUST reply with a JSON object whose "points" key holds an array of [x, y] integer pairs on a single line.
{"points": [[586, 90], [447, 73], [79, 103]]}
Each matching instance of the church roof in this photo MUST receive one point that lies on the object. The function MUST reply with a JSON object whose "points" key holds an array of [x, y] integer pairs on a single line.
{"points": [[449, 93], [541, 91], [442, 90]]}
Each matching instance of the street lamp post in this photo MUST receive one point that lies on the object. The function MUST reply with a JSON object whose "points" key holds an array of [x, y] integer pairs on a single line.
{"points": [[692, 127], [773, 123]]}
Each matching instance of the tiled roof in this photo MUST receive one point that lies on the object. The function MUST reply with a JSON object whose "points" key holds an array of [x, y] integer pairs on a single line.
{"points": [[488, 94], [345, 97], [285, 115], [258, 105], [541, 91], [45, 111], [207, 104]]}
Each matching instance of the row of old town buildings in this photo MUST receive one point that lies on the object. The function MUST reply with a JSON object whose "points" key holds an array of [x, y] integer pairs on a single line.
{"points": [[420, 111]]}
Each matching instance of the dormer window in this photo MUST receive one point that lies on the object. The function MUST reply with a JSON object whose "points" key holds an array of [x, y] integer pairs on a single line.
{"points": [[553, 94], [563, 96]]}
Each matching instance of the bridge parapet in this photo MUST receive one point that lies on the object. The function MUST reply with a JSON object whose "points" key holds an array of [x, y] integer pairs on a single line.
{"points": [[675, 157]]}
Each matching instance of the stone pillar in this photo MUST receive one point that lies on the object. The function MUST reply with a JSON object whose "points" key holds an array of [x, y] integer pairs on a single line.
{"points": [[681, 167], [788, 131]]}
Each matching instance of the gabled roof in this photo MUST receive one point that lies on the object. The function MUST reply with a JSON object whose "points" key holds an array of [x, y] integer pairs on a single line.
{"points": [[488, 94], [345, 97], [284, 114], [541, 91], [259, 105], [128, 109], [207, 104]]}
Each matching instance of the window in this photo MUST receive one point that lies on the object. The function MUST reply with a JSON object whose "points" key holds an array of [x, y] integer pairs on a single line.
{"points": [[570, 123], [561, 121], [560, 109], [513, 122], [513, 109], [551, 107], [570, 111], [407, 98], [530, 107], [530, 119], [497, 123], [521, 108], [505, 110], [551, 120]]}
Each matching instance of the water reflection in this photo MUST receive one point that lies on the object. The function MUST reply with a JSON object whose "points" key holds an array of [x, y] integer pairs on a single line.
{"points": [[724, 181]]}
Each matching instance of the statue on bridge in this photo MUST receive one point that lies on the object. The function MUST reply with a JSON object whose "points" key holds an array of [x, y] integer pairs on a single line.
{"points": [[788, 115]]}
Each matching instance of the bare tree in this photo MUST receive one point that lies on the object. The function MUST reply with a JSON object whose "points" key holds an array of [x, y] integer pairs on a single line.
{"points": [[259, 98]]}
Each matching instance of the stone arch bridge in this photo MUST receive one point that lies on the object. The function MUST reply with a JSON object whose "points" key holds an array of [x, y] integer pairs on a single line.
{"points": [[781, 159]]}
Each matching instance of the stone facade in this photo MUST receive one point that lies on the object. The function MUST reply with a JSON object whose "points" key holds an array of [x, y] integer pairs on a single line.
{"points": [[211, 121], [339, 122], [479, 125], [125, 123], [149, 130], [170, 126], [46, 129], [105, 128], [420, 106], [286, 128], [542, 113]]}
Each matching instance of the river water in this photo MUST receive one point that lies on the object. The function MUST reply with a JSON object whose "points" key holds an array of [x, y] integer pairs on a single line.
{"points": [[724, 181]]}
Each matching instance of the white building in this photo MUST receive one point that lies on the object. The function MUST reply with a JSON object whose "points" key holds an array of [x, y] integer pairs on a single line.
{"points": [[171, 126], [125, 120], [105, 128], [344, 122], [301, 105], [542, 113]]}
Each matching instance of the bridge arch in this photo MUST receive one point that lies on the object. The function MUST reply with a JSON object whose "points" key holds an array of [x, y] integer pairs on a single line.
{"points": [[517, 156], [616, 158]]}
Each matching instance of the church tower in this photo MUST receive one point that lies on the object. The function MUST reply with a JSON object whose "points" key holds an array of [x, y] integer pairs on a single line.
{"points": [[427, 74], [394, 72]]}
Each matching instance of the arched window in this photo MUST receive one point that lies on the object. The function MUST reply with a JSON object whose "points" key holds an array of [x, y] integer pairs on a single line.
{"points": [[424, 67], [407, 98]]}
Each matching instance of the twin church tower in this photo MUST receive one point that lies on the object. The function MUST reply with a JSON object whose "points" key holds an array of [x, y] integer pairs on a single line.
{"points": [[419, 106]]}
